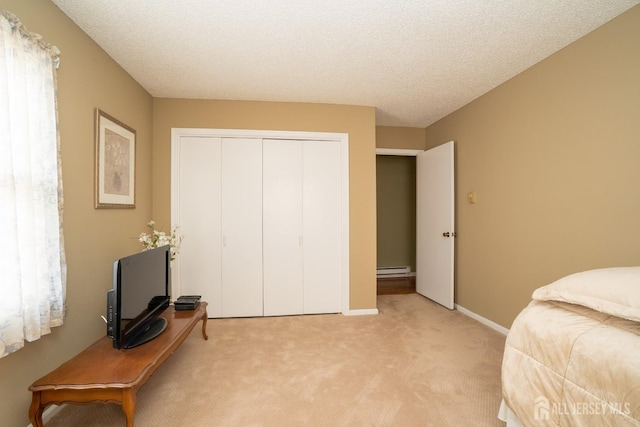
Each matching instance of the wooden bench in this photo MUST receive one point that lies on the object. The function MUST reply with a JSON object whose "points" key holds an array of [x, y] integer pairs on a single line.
{"points": [[102, 374]]}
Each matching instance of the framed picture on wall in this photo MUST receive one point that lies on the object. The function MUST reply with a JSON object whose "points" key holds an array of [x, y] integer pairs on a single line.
{"points": [[115, 167]]}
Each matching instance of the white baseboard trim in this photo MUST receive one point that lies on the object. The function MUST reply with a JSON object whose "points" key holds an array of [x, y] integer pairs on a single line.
{"points": [[49, 413], [483, 320], [361, 312]]}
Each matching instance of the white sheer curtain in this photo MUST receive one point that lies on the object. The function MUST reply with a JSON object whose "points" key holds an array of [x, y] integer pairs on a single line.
{"points": [[32, 263]]}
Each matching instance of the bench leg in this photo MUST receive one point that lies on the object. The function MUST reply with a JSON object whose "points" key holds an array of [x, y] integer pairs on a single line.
{"points": [[129, 405], [35, 410], [204, 325]]}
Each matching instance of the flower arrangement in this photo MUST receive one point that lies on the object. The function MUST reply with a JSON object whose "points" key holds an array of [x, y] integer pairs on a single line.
{"points": [[156, 238]]}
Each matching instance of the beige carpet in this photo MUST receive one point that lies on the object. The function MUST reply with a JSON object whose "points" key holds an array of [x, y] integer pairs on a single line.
{"points": [[414, 364]]}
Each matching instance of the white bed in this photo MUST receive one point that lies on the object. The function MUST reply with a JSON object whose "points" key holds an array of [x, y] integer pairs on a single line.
{"points": [[572, 356]]}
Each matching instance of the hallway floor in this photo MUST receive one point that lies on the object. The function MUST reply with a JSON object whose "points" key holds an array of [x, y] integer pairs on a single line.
{"points": [[396, 285]]}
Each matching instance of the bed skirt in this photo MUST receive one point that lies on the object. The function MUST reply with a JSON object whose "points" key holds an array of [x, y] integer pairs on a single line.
{"points": [[506, 415]]}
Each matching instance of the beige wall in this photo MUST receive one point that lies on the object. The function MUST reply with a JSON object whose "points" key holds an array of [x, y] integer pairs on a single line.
{"points": [[358, 122], [553, 157], [87, 79], [400, 137]]}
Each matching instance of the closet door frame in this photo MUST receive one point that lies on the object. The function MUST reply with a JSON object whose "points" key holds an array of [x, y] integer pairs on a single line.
{"points": [[342, 138]]}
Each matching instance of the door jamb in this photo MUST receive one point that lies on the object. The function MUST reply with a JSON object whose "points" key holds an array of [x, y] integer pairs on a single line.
{"points": [[397, 152]]}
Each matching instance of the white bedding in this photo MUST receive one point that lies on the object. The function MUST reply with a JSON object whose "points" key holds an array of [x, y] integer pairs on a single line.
{"points": [[568, 365]]}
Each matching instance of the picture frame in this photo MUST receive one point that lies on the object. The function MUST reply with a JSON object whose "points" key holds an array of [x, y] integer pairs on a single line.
{"points": [[115, 163]]}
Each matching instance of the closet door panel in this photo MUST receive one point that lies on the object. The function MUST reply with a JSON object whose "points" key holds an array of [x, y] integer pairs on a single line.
{"points": [[282, 227], [199, 263], [322, 226], [241, 227]]}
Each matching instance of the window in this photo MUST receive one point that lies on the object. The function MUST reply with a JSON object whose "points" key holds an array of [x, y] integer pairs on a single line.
{"points": [[32, 262]]}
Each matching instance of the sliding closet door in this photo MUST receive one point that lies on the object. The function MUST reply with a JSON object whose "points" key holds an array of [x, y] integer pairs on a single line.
{"points": [[322, 226], [282, 227], [241, 227], [262, 224], [199, 264]]}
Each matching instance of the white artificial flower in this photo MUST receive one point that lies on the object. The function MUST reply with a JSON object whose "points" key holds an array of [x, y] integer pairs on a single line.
{"points": [[159, 238]]}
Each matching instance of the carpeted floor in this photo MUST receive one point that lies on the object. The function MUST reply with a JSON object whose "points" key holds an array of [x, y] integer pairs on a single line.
{"points": [[414, 364]]}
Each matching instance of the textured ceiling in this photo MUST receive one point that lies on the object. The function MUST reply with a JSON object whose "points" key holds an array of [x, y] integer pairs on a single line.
{"points": [[414, 60]]}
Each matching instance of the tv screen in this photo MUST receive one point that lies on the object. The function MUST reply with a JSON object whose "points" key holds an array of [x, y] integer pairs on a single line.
{"points": [[140, 293]]}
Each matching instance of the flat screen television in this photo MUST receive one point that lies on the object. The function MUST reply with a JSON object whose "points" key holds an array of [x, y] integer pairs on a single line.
{"points": [[140, 294]]}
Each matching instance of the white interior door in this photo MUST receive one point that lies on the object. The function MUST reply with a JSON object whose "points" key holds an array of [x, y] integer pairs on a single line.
{"points": [[198, 267], [241, 227], [435, 228], [282, 227]]}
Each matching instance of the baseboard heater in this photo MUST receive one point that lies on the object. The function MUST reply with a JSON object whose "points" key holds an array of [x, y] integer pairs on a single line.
{"points": [[398, 271]]}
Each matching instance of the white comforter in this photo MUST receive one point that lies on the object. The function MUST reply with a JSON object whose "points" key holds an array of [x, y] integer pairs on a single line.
{"points": [[568, 365]]}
